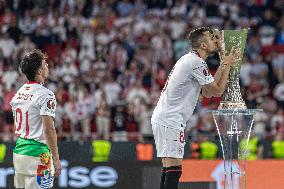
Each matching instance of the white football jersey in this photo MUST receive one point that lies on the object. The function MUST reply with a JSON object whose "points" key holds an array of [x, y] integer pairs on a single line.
{"points": [[181, 91], [30, 102]]}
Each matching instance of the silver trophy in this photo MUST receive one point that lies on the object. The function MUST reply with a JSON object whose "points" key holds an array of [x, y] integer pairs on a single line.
{"points": [[232, 97], [233, 121]]}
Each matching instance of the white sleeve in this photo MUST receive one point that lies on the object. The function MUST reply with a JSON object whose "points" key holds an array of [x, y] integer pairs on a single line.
{"points": [[201, 73], [47, 103]]}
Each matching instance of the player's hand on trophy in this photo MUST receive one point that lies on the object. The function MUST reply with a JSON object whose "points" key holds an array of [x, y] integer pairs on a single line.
{"points": [[232, 58], [57, 167]]}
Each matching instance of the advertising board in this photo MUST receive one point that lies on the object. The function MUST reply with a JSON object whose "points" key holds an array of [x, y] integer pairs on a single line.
{"points": [[86, 175], [261, 174]]}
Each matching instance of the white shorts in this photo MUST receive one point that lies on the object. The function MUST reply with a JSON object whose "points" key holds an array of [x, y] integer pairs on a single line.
{"points": [[169, 141], [32, 172]]}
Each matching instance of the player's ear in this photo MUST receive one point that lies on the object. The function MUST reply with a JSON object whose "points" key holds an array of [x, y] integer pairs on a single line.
{"points": [[39, 71], [203, 45]]}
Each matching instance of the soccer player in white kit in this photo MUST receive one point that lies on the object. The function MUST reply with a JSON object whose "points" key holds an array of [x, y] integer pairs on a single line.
{"points": [[34, 110], [178, 99]]}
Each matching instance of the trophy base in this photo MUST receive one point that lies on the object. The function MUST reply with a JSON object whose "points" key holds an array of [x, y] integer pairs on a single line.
{"points": [[234, 127], [232, 105]]}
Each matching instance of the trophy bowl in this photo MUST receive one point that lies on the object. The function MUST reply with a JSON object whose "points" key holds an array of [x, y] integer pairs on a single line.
{"points": [[232, 97]]}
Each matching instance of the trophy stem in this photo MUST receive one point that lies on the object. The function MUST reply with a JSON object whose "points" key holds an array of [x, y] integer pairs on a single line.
{"points": [[232, 98]]}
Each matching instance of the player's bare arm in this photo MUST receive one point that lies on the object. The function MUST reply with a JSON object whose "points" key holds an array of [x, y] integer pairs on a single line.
{"points": [[51, 140], [217, 87]]}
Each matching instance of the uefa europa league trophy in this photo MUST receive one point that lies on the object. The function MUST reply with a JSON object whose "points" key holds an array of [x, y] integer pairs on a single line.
{"points": [[233, 121], [232, 97]]}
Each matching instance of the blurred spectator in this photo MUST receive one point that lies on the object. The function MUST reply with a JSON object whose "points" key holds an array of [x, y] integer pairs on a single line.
{"points": [[145, 126], [277, 122], [277, 146], [205, 124], [196, 15], [177, 26], [136, 93], [131, 123], [67, 71], [124, 7], [278, 66], [256, 92], [25, 46], [259, 68], [7, 45], [253, 47], [27, 24], [245, 73], [9, 77], [267, 29], [280, 33], [8, 114], [59, 115], [70, 110], [261, 121], [119, 120], [83, 112], [112, 90], [86, 57], [14, 31], [279, 94], [103, 116]]}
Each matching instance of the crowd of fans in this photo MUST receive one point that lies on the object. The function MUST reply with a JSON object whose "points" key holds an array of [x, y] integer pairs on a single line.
{"points": [[109, 60]]}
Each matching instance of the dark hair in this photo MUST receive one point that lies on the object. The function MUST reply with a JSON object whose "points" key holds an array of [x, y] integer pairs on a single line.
{"points": [[32, 62], [196, 36]]}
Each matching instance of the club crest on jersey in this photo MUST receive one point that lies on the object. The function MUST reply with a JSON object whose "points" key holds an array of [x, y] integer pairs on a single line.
{"points": [[44, 177], [50, 104]]}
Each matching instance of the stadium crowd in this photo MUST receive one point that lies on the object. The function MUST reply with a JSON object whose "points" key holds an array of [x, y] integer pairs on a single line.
{"points": [[109, 60]]}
